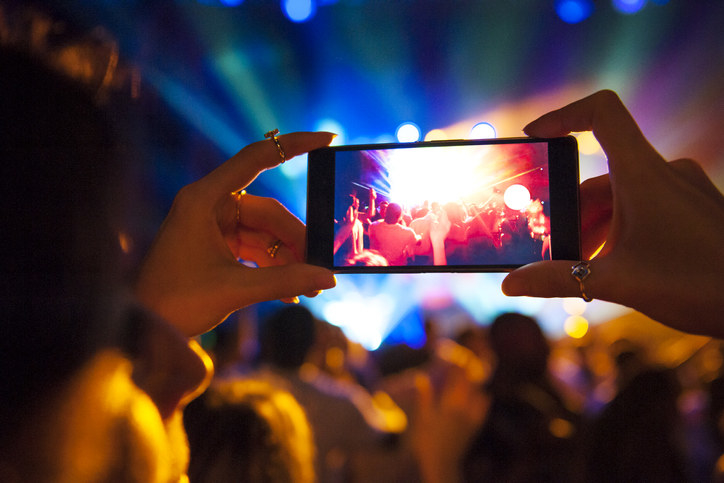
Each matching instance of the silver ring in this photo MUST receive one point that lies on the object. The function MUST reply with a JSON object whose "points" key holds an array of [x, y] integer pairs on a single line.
{"points": [[580, 272]]}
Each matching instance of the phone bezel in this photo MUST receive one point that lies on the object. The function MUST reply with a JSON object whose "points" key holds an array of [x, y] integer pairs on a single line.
{"points": [[563, 181]]}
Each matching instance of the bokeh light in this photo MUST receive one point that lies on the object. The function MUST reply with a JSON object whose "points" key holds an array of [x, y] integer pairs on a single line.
{"points": [[299, 10], [330, 125], [574, 306], [483, 130], [408, 132], [436, 135], [574, 11], [628, 7], [576, 326]]}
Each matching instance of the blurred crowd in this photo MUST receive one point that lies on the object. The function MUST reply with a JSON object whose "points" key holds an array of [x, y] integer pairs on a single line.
{"points": [[434, 233], [493, 401]]}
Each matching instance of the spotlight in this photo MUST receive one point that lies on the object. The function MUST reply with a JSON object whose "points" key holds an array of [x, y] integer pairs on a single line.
{"points": [[482, 130], [628, 7], [574, 11], [299, 10], [408, 132]]}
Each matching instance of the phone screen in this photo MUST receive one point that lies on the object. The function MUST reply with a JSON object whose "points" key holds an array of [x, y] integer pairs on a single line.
{"points": [[446, 206]]}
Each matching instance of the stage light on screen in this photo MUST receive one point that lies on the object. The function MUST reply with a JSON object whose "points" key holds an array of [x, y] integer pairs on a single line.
{"points": [[628, 7], [299, 10], [483, 130], [232, 3], [574, 11], [408, 132], [517, 197]]}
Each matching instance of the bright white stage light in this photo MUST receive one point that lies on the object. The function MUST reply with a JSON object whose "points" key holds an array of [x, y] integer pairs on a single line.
{"points": [[434, 174], [408, 132], [483, 130], [517, 197], [363, 319]]}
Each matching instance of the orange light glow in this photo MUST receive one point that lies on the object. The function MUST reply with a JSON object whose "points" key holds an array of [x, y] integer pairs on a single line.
{"points": [[576, 326]]}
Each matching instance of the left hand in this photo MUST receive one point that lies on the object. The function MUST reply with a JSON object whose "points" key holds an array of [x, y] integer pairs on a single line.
{"points": [[191, 276]]}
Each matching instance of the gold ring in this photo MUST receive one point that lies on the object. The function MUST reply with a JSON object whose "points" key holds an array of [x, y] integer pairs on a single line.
{"points": [[238, 195], [274, 248], [273, 136], [580, 272]]}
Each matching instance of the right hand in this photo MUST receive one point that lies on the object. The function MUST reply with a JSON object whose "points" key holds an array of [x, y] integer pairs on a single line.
{"points": [[662, 224]]}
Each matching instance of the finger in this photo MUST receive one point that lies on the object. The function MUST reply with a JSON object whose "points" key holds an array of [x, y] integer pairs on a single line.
{"points": [[554, 279], [611, 123], [262, 255], [267, 215], [244, 166], [278, 283]]}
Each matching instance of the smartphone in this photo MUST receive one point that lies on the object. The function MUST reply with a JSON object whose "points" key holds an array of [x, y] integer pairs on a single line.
{"points": [[443, 206]]}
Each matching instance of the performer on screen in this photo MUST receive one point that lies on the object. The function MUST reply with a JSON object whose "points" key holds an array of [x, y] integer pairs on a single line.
{"points": [[394, 241]]}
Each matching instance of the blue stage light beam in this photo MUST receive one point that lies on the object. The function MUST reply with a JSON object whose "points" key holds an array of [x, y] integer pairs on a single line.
{"points": [[198, 112]]}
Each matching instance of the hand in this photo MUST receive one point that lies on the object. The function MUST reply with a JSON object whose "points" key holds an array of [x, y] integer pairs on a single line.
{"points": [[191, 276], [662, 225]]}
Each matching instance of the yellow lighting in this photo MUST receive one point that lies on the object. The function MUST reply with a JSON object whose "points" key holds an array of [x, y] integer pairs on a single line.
{"points": [[587, 143], [576, 326], [436, 135]]}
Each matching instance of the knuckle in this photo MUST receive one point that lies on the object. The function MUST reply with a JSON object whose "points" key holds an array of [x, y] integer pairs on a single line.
{"points": [[608, 97]]}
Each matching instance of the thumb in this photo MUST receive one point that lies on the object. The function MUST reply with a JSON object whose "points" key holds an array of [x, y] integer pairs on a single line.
{"points": [[544, 279]]}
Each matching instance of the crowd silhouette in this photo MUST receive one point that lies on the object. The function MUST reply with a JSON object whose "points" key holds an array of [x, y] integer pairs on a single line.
{"points": [[494, 400]]}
